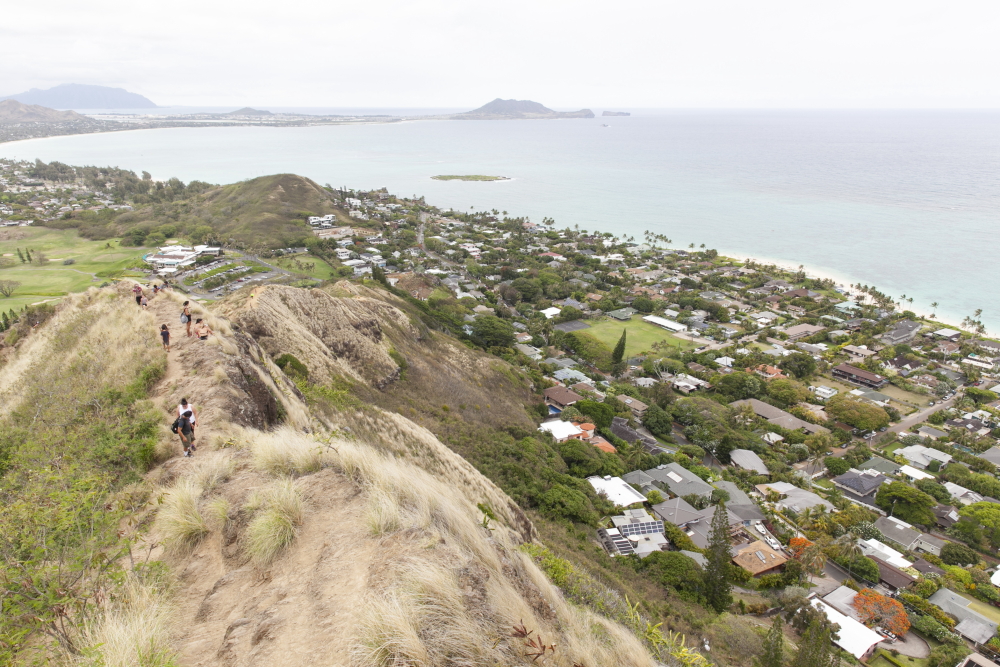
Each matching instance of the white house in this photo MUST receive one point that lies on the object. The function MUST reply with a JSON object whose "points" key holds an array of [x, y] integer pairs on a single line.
{"points": [[853, 636], [561, 430], [551, 312], [669, 325], [616, 489], [875, 548], [921, 457]]}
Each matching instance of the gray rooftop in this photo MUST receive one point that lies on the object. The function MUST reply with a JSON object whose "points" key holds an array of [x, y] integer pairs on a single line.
{"points": [[952, 603], [881, 465], [679, 480], [748, 460], [899, 532], [736, 496]]}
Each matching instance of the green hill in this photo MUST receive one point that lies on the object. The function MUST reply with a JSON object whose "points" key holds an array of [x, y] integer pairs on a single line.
{"points": [[269, 211]]}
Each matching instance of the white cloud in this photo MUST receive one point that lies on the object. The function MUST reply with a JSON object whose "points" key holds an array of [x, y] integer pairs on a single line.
{"points": [[565, 54]]}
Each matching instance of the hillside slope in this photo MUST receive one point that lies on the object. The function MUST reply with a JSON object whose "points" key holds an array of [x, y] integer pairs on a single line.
{"points": [[12, 111], [267, 212], [347, 538]]}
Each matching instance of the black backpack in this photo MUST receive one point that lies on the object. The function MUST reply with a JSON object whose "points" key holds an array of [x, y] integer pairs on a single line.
{"points": [[177, 426]]}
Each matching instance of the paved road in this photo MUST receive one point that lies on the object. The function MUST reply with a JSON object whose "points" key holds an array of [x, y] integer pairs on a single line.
{"points": [[922, 415]]}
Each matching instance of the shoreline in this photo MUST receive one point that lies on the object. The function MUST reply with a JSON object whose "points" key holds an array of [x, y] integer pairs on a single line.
{"points": [[841, 280]]}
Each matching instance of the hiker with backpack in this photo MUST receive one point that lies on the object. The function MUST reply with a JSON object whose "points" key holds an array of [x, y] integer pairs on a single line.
{"points": [[182, 427], [188, 408], [186, 317]]}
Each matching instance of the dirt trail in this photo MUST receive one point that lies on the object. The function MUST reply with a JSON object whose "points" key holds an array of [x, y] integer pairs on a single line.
{"points": [[303, 608]]}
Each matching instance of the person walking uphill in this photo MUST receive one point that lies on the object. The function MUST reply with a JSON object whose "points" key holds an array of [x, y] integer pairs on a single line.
{"points": [[137, 291], [186, 316], [182, 427], [165, 335]]}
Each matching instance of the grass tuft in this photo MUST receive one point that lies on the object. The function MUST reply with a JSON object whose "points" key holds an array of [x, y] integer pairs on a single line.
{"points": [[276, 526], [179, 520], [214, 471], [135, 629]]}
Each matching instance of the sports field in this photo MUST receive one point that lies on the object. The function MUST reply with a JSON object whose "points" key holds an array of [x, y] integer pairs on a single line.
{"points": [[93, 262], [640, 338], [307, 265]]}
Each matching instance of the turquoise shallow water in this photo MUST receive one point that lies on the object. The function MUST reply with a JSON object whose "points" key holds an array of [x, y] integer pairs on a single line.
{"points": [[907, 201]]}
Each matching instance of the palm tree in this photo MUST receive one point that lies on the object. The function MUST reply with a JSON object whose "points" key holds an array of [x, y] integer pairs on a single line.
{"points": [[934, 306], [846, 546], [813, 559]]}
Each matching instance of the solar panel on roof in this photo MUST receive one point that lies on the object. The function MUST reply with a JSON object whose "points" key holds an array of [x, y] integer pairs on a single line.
{"points": [[644, 528]]}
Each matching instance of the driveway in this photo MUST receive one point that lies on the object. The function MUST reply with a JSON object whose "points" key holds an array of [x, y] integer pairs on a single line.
{"points": [[922, 415], [910, 645]]}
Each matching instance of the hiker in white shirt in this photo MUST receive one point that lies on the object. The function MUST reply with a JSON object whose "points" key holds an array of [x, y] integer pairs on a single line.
{"points": [[184, 407]]}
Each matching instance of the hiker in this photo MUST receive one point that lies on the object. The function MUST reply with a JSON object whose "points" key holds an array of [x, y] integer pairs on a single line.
{"points": [[182, 427], [156, 289], [165, 335], [189, 409], [186, 316], [165, 285], [144, 302], [202, 330], [137, 291]]}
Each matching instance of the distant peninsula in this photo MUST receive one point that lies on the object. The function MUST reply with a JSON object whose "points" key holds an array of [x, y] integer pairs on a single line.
{"points": [[80, 96], [616, 113], [12, 111], [500, 109], [471, 177]]}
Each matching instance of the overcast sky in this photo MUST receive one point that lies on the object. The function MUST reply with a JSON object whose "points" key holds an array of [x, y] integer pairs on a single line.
{"points": [[463, 53]]}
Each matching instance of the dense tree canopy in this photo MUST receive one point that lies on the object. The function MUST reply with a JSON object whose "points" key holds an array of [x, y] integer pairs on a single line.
{"points": [[906, 503], [491, 331], [860, 415]]}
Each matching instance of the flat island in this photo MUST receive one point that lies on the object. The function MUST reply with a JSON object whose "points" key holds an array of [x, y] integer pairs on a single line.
{"points": [[471, 177]]}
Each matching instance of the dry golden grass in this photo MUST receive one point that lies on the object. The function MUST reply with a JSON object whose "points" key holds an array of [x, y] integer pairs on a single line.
{"points": [[104, 343], [274, 528], [179, 521], [214, 470], [135, 628]]}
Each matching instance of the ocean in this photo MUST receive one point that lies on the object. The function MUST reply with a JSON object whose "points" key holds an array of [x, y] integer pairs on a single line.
{"points": [[907, 201]]}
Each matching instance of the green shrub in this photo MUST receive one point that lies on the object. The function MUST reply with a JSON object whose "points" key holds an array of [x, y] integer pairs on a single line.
{"points": [[292, 366]]}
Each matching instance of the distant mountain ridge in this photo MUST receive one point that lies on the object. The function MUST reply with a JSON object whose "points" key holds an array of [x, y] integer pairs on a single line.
{"points": [[83, 96], [500, 109], [12, 111]]}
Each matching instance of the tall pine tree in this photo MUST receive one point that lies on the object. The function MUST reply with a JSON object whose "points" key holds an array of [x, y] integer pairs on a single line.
{"points": [[718, 578], [619, 352], [773, 652], [815, 649], [21, 255]]}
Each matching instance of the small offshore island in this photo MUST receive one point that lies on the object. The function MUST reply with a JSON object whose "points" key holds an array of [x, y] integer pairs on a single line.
{"points": [[470, 177]]}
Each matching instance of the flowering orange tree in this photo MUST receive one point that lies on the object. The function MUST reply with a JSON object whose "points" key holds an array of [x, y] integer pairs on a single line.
{"points": [[798, 545], [876, 609]]}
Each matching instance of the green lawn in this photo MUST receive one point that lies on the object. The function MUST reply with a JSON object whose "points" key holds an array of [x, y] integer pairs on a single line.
{"points": [[640, 338], [307, 265], [93, 261]]}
